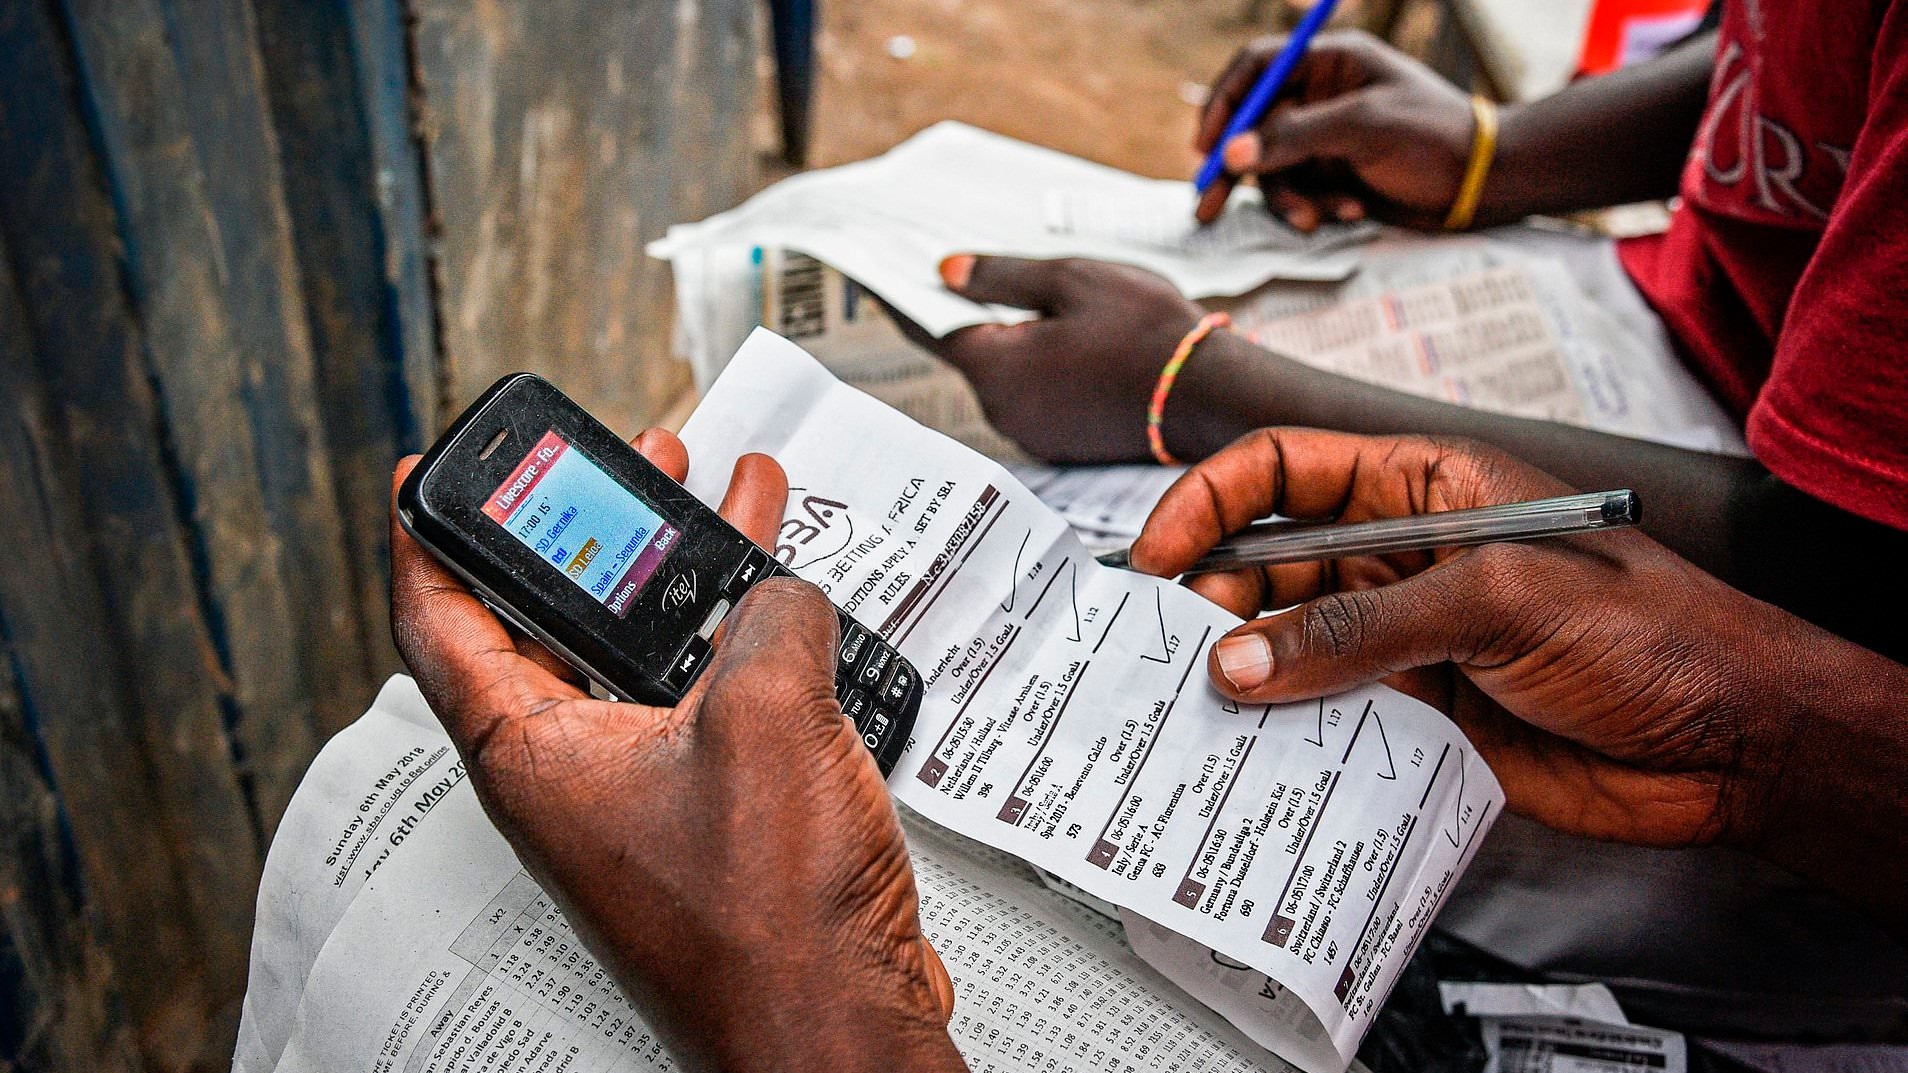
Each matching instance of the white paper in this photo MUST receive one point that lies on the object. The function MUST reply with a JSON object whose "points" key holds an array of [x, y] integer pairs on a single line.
{"points": [[1802, 1058], [1110, 500], [888, 222], [1549, 1045], [1588, 1002], [1270, 1014], [1162, 216], [1069, 718], [365, 787], [451, 958]]}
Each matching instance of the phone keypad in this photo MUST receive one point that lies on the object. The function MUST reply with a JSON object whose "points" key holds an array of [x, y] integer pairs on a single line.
{"points": [[879, 691]]}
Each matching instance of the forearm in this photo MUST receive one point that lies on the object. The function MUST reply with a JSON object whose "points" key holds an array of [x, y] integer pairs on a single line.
{"points": [[1603, 141], [1727, 515], [1824, 791]]}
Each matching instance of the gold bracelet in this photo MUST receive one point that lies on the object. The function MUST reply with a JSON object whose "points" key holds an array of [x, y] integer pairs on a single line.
{"points": [[1483, 152]]}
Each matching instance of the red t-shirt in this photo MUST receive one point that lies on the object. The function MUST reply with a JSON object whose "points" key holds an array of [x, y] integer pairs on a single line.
{"points": [[1784, 274]]}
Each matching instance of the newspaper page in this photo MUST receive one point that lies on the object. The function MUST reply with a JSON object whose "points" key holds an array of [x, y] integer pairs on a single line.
{"points": [[1069, 719], [1520, 321], [447, 956]]}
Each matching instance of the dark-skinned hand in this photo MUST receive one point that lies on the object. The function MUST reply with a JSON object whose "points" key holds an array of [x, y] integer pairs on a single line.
{"points": [[1617, 691], [734, 861], [1360, 129], [1072, 385]]}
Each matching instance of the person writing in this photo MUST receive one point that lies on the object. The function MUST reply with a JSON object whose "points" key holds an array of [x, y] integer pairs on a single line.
{"points": [[736, 864], [1783, 279]]}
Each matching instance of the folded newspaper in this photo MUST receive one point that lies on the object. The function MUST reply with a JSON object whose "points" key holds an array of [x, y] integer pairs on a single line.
{"points": [[1274, 866]]}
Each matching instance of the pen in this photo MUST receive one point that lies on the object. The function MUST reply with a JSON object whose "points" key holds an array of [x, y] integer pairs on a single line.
{"points": [[1267, 87], [1271, 543]]}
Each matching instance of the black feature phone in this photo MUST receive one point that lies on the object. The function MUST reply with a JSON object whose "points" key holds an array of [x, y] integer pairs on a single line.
{"points": [[567, 532]]}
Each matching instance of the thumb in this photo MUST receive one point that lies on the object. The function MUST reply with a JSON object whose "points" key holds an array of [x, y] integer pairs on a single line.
{"points": [[774, 666], [1042, 286], [1349, 639], [1336, 129]]}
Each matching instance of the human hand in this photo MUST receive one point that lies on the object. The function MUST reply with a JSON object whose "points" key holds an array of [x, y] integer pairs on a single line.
{"points": [[1359, 129], [1073, 385], [1617, 691], [734, 862]]}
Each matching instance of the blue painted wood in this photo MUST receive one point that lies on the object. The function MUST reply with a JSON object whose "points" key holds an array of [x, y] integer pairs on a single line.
{"points": [[64, 1006], [793, 28], [116, 658], [330, 169], [381, 50], [228, 116], [208, 383]]}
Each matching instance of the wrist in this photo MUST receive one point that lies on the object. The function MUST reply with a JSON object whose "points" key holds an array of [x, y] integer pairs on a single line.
{"points": [[1220, 395], [1818, 785], [1505, 198]]}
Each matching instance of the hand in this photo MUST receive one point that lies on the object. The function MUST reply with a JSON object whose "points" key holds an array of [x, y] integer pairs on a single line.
{"points": [[1359, 129], [1073, 385], [1617, 691], [734, 861]]}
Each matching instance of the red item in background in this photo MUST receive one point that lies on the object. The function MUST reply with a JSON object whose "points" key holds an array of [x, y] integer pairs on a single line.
{"points": [[1622, 32], [1784, 274]]}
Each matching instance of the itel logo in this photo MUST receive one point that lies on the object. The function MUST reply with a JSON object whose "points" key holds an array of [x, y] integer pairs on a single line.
{"points": [[681, 591]]}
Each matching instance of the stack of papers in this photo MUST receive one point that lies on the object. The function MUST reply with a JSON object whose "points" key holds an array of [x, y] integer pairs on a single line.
{"points": [[887, 223]]}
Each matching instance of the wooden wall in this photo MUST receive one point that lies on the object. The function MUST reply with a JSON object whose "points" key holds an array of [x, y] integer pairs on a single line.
{"points": [[251, 251]]}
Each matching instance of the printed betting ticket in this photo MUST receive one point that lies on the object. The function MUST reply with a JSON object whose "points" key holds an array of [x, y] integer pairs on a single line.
{"points": [[1069, 719]]}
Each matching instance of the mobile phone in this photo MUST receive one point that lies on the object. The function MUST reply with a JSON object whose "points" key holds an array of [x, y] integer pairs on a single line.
{"points": [[567, 532]]}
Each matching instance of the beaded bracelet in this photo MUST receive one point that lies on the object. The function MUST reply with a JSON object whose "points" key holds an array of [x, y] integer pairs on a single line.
{"points": [[1156, 410]]}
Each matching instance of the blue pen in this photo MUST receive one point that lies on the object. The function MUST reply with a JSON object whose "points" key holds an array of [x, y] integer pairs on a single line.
{"points": [[1259, 101]]}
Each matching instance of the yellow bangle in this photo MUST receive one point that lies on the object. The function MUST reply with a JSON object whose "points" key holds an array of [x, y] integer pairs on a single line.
{"points": [[1156, 411], [1483, 152]]}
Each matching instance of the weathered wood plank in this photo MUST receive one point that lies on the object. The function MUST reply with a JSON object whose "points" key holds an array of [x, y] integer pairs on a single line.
{"points": [[69, 678], [204, 380], [381, 48], [351, 280], [56, 980], [552, 161], [226, 109], [151, 639]]}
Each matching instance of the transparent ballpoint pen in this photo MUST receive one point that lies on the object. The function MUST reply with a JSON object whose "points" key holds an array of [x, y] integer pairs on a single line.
{"points": [[1271, 543]]}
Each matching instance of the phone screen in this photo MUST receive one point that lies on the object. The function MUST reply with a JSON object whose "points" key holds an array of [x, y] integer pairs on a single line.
{"points": [[582, 522]]}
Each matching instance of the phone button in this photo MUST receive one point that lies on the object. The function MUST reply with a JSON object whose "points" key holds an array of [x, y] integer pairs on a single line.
{"points": [[900, 681], [875, 667], [755, 566], [687, 663], [855, 643], [856, 705], [716, 614]]}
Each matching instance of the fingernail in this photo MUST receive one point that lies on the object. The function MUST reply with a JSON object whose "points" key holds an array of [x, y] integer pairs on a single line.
{"points": [[1242, 152], [1304, 218], [1245, 660], [1350, 210], [957, 270]]}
